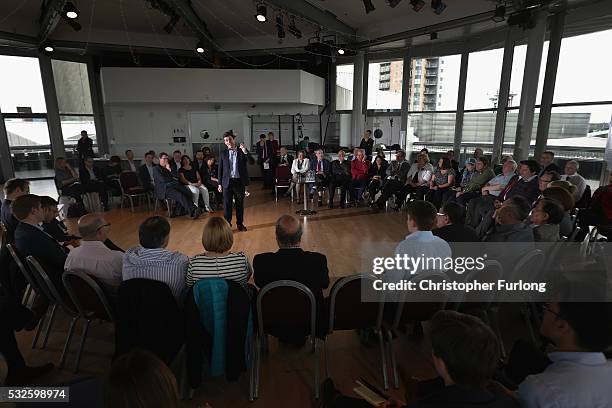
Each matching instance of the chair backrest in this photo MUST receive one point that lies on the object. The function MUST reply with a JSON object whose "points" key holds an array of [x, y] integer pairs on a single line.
{"points": [[87, 296], [287, 306], [530, 267], [283, 174], [573, 235], [128, 179], [421, 305], [3, 235], [22, 267], [48, 287], [347, 311], [491, 273]]}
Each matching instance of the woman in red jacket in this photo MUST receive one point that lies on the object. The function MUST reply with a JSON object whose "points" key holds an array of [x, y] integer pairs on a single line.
{"points": [[359, 175]]}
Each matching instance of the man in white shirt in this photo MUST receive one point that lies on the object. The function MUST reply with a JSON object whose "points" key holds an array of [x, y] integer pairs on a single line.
{"points": [[579, 374], [131, 164], [571, 175], [93, 257]]}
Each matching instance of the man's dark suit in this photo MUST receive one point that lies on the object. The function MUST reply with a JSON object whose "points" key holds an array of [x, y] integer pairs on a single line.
{"points": [[145, 178], [324, 179], [32, 241], [8, 219], [551, 167], [233, 188], [91, 186], [288, 160], [166, 186], [174, 167], [456, 233]]}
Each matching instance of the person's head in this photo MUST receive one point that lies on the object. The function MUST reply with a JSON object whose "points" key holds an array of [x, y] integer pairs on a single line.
{"points": [[546, 158], [210, 161], [513, 211], [547, 211], [450, 213], [481, 163], [288, 231], [217, 235], [450, 154], [465, 350], [341, 155], [571, 167], [478, 153], [444, 163], [421, 216], [379, 160], [422, 159], [528, 168], [176, 155], [470, 164], [16, 187], [270, 135], [163, 159], [262, 138], [49, 208], [545, 179], [93, 227], [205, 150], [199, 155], [561, 195], [60, 163], [505, 158], [400, 155], [114, 161], [300, 155], [89, 162], [148, 158], [228, 139], [185, 161], [84, 133], [319, 154], [154, 232], [129, 154], [424, 150], [367, 134], [564, 184], [283, 151], [139, 379], [360, 154], [509, 167], [27, 208]]}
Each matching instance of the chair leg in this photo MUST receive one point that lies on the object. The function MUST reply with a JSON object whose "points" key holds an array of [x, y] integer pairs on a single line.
{"points": [[317, 357], [121, 201], [131, 202], [326, 358], [83, 338], [49, 324], [259, 349], [39, 327], [252, 370], [276, 193], [68, 341], [393, 361], [383, 360]]}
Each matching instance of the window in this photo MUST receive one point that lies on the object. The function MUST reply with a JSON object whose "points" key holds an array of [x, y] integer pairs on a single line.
{"points": [[385, 95], [344, 86], [482, 84], [435, 98], [21, 85]]}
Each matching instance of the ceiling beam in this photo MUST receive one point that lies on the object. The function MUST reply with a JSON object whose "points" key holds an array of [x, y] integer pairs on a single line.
{"points": [[186, 11], [323, 18], [49, 18]]}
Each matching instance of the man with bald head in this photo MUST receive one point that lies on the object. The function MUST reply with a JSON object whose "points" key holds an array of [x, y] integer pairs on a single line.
{"points": [[93, 257]]}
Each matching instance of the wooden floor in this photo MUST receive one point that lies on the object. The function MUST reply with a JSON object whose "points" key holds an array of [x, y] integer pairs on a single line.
{"points": [[286, 371]]}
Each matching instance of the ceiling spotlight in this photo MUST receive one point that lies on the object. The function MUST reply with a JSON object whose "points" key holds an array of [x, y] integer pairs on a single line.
{"points": [[438, 6], [341, 51], [280, 27], [499, 14], [293, 29], [433, 36], [70, 10], [417, 5], [261, 12], [200, 48], [48, 48], [368, 6], [393, 3]]}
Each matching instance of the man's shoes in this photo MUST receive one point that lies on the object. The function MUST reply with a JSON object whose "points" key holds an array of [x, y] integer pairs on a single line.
{"points": [[320, 203], [241, 227], [331, 206], [246, 194], [195, 214], [27, 374]]}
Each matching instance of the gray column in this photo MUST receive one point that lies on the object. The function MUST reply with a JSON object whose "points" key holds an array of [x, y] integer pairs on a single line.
{"points": [[357, 118], [405, 99], [6, 163], [460, 102], [332, 89], [502, 98], [533, 59], [53, 117], [98, 108], [548, 91]]}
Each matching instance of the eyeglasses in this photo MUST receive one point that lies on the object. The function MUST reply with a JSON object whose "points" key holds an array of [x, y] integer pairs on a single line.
{"points": [[442, 214], [102, 226]]}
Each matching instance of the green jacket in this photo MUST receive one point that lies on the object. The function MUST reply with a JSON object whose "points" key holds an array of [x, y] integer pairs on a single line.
{"points": [[478, 180]]}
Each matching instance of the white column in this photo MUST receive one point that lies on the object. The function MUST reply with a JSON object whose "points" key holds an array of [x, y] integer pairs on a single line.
{"points": [[358, 118], [502, 98], [461, 102]]}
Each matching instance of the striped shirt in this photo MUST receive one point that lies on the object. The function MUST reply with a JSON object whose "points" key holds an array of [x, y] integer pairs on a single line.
{"points": [[233, 266], [157, 264]]}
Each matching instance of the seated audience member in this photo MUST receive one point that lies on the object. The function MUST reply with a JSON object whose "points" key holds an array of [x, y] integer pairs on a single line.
{"points": [[130, 163], [377, 175], [291, 261], [420, 240], [189, 176], [478, 153], [381, 153], [478, 207], [13, 188], [482, 175], [566, 199], [450, 225], [217, 261], [545, 219], [465, 354], [111, 175], [397, 172], [51, 225], [579, 375], [599, 211], [321, 167], [571, 175], [93, 257], [510, 223], [206, 150], [417, 180], [340, 176], [168, 186], [498, 168], [442, 180], [67, 180], [211, 179], [199, 163], [140, 379], [454, 164], [303, 145], [299, 167], [31, 240], [545, 179], [285, 159], [359, 175], [547, 163], [175, 163], [465, 175], [151, 260], [92, 180], [145, 172]]}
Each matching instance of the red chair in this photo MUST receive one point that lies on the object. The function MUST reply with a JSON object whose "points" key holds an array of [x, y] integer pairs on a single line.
{"points": [[131, 188], [283, 180]]}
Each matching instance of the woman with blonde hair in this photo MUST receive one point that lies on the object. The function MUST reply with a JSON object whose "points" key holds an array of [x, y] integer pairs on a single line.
{"points": [[217, 261]]}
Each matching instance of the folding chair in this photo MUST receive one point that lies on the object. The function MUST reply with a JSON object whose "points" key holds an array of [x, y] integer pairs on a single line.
{"points": [[347, 311], [54, 296], [131, 188], [90, 301], [285, 305], [283, 180], [3, 235]]}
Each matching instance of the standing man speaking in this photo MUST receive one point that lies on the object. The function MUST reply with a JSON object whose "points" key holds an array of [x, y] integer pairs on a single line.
{"points": [[233, 177]]}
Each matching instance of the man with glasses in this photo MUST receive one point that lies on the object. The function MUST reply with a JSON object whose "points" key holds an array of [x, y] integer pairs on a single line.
{"points": [[93, 257]]}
